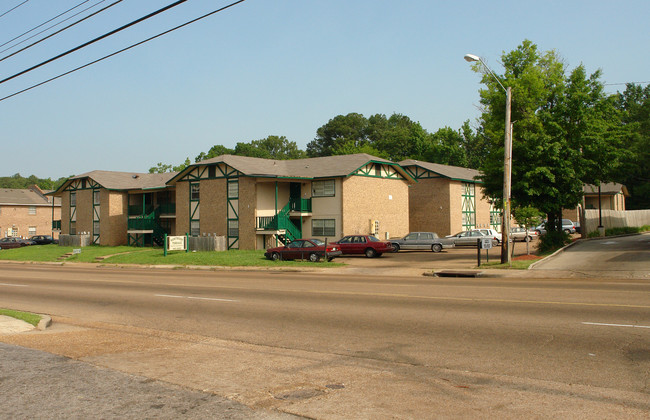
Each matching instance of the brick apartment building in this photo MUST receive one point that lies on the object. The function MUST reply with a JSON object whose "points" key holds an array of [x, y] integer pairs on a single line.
{"points": [[28, 212]]}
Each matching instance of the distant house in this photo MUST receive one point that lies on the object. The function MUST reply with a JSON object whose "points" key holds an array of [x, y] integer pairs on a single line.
{"points": [[118, 208], [448, 199], [258, 202], [612, 197], [27, 212]]}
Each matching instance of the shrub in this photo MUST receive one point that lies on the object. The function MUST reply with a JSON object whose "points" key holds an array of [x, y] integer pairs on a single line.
{"points": [[621, 230], [552, 240], [593, 234]]}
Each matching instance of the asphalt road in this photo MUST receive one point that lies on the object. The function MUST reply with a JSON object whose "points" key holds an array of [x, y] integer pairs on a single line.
{"points": [[342, 346]]}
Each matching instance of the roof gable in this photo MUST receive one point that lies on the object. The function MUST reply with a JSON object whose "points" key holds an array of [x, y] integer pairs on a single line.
{"points": [[456, 173]]}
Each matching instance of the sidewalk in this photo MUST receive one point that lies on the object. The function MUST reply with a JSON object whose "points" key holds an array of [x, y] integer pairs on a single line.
{"points": [[9, 325]]}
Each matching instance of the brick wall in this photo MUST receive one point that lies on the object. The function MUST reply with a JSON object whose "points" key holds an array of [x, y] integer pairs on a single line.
{"points": [[19, 217], [429, 201], [368, 198], [182, 208]]}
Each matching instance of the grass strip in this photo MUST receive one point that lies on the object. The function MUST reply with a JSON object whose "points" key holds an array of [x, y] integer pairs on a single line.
{"points": [[24, 316]]}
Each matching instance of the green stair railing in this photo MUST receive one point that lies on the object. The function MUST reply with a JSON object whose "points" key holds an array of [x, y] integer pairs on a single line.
{"points": [[280, 221]]}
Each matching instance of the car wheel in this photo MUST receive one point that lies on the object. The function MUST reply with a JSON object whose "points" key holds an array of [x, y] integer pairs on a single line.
{"points": [[276, 256], [395, 247], [528, 239], [313, 257], [567, 231], [495, 242], [370, 253], [329, 259], [436, 247]]}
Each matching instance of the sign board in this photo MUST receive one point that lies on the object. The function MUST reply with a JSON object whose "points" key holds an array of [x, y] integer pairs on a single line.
{"points": [[76, 251], [176, 243], [486, 243]]}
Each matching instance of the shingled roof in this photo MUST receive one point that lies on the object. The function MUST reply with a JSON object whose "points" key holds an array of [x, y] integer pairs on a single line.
{"points": [[23, 197], [456, 173], [320, 167], [123, 181], [606, 189]]}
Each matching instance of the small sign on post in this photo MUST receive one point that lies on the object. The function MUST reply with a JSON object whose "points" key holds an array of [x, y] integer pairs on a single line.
{"points": [[76, 251], [175, 243]]}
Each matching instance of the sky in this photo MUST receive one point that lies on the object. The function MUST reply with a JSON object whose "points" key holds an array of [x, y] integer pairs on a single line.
{"points": [[283, 67]]}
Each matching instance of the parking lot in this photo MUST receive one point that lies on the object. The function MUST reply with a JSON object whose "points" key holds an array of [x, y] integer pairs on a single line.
{"points": [[407, 263]]}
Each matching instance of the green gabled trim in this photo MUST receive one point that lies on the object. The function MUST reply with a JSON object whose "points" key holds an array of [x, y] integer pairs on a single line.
{"points": [[232, 240], [96, 213]]}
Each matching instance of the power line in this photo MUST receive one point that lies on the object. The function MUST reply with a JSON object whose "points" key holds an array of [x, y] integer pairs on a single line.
{"points": [[99, 38], [60, 30], [46, 22], [122, 50], [13, 8]]}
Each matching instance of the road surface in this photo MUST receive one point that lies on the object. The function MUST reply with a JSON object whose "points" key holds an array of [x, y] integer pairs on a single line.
{"points": [[337, 346]]}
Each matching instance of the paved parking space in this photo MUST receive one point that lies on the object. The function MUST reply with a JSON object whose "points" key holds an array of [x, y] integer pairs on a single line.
{"points": [[408, 263]]}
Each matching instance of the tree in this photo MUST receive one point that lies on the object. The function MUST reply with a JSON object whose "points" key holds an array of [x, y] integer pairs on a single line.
{"points": [[351, 128], [559, 131], [634, 105], [272, 147], [527, 216], [216, 150], [446, 146], [398, 136]]}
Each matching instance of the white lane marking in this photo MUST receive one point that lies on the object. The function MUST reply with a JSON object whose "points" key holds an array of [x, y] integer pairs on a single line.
{"points": [[617, 325], [13, 285], [610, 243], [197, 298]]}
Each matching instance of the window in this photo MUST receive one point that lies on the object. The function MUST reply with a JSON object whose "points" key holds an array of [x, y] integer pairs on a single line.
{"points": [[32, 209], [377, 169], [32, 230], [194, 191], [73, 199], [96, 228], [73, 228], [323, 188], [195, 228], [212, 171], [233, 228], [323, 227], [96, 197], [233, 189]]}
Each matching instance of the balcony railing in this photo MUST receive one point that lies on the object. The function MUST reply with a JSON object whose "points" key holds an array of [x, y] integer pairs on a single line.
{"points": [[167, 208], [302, 205], [139, 210], [141, 224]]}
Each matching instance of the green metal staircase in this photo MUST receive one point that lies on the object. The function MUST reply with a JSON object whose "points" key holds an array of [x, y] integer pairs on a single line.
{"points": [[281, 221]]}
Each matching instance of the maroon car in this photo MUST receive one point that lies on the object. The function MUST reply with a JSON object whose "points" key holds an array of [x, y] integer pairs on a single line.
{"points": [[364, 244], [11, 242], [304, 249]]}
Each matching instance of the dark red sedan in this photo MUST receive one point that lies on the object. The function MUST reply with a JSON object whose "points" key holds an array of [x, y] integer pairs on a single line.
{"points": [[304, 249], [10, 242], [364, 244]]}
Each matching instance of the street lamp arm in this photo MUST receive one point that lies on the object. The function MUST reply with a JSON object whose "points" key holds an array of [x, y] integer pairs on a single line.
{"points": [[471, 57]]}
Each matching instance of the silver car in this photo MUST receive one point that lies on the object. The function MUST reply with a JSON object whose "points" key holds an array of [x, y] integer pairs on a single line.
{"points": [[421, 241], [470, 238]]}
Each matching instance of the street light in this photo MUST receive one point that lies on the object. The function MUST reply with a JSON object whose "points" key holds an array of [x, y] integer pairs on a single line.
{"points": [[507, 165]]}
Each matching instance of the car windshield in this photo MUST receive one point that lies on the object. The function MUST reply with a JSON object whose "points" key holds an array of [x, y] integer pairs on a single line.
{"points": [[317, 241]]}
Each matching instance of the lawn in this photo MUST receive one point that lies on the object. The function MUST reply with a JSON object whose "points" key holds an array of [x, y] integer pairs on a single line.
{"points": [[25, 316], [152, 256]]}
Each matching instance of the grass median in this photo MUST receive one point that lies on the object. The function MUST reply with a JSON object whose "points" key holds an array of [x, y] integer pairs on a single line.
{"points": [[24, 316], [152, 256]]}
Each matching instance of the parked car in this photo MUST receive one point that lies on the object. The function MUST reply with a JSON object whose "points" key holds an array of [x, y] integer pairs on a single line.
{"points": [[364, 244], [567, 226], [422, 241], [520, 234], [42, 239], [470, 237], [11, 242], [304, 249], [493, 233]]}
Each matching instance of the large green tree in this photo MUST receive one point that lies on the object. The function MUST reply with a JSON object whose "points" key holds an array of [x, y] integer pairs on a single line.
{"points": [[559, 132], [634, 104]]}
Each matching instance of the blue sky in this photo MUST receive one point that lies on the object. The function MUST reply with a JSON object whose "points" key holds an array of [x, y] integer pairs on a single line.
{"points": [[281, 67]]}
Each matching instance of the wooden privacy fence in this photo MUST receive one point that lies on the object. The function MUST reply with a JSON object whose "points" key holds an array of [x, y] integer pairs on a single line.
{"points": [[616, 218], [207, 243]]}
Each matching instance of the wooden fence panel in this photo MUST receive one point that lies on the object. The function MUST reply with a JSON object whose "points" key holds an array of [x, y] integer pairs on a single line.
{"points": [[616, 218]]}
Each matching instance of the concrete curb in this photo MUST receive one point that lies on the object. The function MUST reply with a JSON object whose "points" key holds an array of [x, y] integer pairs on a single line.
{"points": [[45, 322]]}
